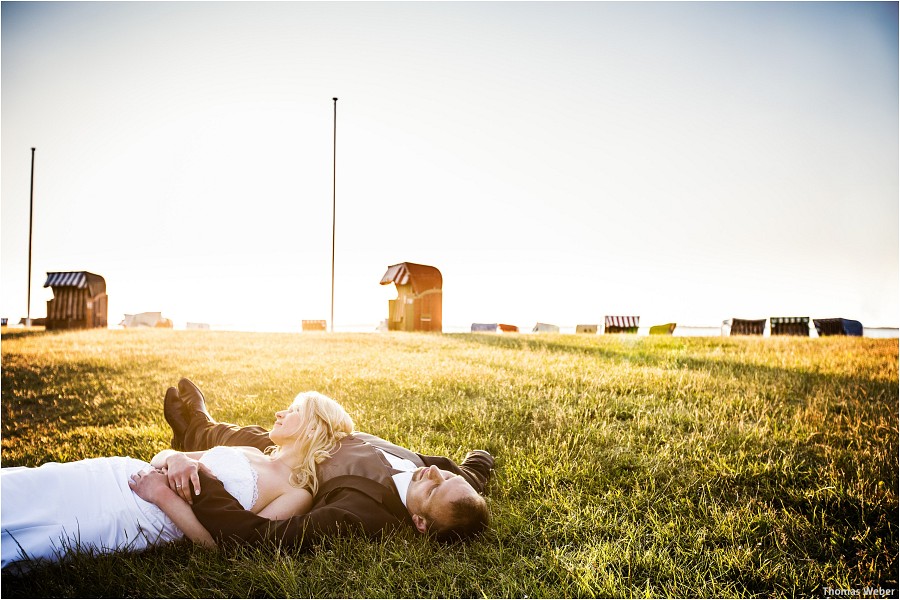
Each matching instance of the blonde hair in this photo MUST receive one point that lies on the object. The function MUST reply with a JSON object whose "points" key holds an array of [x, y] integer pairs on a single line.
{"points": [[325, 423]]}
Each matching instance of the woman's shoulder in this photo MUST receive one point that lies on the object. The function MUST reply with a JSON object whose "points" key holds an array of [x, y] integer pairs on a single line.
{"points": [[299, 498], [298, 492]]}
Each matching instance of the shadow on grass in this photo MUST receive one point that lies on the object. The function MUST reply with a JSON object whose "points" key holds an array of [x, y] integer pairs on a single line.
{"points": [[76, 393], [21, 334], [659, 356]]}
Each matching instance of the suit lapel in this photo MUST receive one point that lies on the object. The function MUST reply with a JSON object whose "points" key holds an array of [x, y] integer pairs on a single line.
{"points": [[358, 465], [377, 492]]}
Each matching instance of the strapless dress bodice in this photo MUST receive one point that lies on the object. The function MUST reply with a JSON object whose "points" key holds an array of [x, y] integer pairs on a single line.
{"points": [[232, 467]]}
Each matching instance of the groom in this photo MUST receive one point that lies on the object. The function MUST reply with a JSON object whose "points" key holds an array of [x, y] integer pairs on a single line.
{"points": [[368, 484]]}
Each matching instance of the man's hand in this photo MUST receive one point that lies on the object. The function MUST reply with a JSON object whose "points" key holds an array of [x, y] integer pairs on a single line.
{"points": [[150, 485], [181, 473]]}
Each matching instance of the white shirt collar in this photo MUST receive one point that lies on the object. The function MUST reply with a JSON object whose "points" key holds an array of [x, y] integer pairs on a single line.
{"points": [[402, 479]]}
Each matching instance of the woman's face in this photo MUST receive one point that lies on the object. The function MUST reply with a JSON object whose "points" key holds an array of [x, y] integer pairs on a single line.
{"points": [[288, 426]]}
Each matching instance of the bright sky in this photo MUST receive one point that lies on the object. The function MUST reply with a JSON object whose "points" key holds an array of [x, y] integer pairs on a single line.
{"points": [[558, 162]]}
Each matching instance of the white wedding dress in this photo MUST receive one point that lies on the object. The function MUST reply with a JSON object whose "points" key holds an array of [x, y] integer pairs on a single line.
{"points": [[87, 505]]}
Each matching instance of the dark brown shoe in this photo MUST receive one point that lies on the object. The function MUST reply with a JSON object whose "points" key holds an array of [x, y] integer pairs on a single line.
{"points": [[193, 399], [174, 411]]}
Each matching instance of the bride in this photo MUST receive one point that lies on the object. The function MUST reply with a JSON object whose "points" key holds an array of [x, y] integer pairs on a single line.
{"points": [[93, 505]]}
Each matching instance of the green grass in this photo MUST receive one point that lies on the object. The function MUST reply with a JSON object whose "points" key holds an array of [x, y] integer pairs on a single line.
{"points": [[626, 466]]}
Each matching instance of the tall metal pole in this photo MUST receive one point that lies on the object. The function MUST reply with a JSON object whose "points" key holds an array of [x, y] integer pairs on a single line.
{"points": [[333, 209], [30, 221]]}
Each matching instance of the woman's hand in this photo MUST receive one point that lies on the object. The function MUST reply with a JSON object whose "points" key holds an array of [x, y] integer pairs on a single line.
{"points": [[151, 485]]}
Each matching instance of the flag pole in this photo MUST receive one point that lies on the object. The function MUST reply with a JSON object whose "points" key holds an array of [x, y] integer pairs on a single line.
{"points": [[30, 221], [333, 209]]}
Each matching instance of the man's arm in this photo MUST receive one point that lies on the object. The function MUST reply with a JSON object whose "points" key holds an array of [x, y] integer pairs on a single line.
{"points": [[476, 468], [347, 509], [153, 487]]}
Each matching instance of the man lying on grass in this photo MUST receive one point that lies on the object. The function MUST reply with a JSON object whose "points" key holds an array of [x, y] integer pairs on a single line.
{"points": [[367, 484]]}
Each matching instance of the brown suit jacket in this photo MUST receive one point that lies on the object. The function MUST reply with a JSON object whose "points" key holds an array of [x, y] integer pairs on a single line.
{"points": [[355, 492]]}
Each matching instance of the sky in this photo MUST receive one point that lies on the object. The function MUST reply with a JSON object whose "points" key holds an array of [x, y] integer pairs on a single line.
{"points": [[557, 162]]}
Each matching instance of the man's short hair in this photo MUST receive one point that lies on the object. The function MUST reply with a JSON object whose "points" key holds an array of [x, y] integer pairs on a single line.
{"points": [[469, 516]]}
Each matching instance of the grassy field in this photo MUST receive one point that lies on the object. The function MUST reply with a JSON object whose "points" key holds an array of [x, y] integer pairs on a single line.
{"points": [[626, 466]]}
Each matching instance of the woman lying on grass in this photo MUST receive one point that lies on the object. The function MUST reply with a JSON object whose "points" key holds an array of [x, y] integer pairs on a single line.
{"points": [[89, 505]]}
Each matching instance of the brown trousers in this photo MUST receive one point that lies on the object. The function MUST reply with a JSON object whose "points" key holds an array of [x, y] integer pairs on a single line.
{"points": [[203, 435]]}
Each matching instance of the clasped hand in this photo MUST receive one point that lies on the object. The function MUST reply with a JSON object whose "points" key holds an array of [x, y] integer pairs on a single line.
{"points": [[180, 475]]}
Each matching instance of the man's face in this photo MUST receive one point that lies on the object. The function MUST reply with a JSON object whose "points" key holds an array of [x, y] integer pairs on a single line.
{"points": [[430, 493]]}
